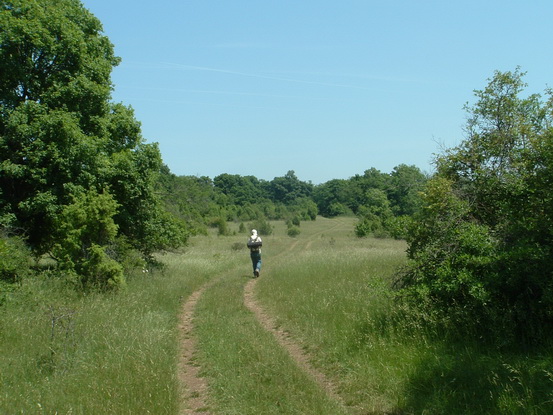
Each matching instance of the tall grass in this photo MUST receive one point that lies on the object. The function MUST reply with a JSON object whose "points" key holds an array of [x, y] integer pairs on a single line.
{"points": [[248, 372], [64, 353], [336, 296], [88, 354]]}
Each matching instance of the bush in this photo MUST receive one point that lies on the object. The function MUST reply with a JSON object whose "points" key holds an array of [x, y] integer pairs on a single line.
{"points": [[370, 225], [15, 259], [85, 231], [398, 226], [124, 253], [481, 248], [337, 209], [222, 228], [238, 246], [263, 227], [101, 271], [293, 231]]}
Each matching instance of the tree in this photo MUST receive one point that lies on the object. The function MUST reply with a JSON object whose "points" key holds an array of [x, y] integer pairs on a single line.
{"points": [[482, 248], [60, 136], [190, 198], [359, 186], [406, 183], [288, 188], [85, 228], [373, 214], [331, 197], [239, 189]]}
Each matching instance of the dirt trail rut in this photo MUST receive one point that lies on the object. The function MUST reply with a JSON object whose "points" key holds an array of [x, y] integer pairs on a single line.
{"points": [[195, 388], [284, 339], [194, 395], [294, 349]]}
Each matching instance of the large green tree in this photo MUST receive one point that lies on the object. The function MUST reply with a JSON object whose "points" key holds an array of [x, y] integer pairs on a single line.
{"points": [[289, 188], [406, 183], [61, 136], [240, 189], [482, 248]]}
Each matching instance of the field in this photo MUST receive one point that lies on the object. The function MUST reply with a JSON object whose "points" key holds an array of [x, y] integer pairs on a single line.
{"points": [[317, 333]]}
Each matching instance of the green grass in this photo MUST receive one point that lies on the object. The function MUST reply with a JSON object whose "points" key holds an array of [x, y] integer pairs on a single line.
{"points": [[69, 354], [247, 371], [335, 295], [99, 353]]}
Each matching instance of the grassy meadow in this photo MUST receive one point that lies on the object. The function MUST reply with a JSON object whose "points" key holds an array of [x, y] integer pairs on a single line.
{"points": [[64, 353]]}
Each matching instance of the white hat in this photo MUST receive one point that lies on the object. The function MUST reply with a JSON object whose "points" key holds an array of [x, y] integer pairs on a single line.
{"points": [[254, 232]]}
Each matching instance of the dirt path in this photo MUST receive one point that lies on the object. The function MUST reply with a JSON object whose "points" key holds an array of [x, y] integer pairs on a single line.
{"points": [[194, 395], [284, 339], [294, 349], [195, 389]]}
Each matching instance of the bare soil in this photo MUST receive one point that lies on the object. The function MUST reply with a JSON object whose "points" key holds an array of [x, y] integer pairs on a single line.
{"points": [[194, 395], [284, 339]]}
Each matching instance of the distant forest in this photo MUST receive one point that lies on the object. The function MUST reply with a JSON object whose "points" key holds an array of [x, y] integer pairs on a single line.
{"points": [[381, 200]]}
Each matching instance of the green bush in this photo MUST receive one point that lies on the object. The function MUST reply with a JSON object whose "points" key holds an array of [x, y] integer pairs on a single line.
{"points": [[263, 227], [15, 259], [481, 247], [398, 226], [293, 231], [85, 230], [222, 227], [100, 270], [238, 246], [370, 225]]}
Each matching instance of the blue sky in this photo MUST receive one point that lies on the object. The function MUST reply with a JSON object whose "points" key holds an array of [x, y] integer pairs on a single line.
{"points": [[326, 88]]}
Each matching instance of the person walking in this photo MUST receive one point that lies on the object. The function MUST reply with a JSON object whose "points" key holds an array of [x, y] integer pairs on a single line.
{"points": [[254, 243]]}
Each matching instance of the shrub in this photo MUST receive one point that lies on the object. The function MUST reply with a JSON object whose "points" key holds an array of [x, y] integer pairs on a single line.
{"points": [[481, 248], [337, 209], [238, 246], [263, 227], [370, 225], [293, 231], [398, 226], [14, 259], [100, 270], [85, 230], [222, 226]]}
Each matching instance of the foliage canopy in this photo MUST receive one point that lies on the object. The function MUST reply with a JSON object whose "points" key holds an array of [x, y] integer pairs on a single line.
{"points": [[62, 138], [481, 250]]}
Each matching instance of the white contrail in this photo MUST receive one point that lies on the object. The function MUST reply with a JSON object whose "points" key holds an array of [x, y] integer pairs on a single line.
{"points": [[169, 65]]}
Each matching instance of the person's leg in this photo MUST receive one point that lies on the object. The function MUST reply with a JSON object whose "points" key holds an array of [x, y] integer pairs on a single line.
{"points": [[256, 262]]}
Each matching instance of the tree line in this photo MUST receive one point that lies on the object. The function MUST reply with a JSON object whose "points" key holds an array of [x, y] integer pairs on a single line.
{"points": [[79, 184], [379, 199]]}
